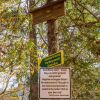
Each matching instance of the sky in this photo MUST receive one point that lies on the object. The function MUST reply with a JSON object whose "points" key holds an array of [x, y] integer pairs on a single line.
{"points": [[12, 82]]}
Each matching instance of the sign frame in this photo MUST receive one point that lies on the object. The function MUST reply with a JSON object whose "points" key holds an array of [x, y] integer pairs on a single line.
{"points": [[56, 98]]}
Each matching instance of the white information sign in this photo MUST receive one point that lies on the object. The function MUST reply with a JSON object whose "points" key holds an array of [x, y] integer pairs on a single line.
{"points": [[54, 83]]}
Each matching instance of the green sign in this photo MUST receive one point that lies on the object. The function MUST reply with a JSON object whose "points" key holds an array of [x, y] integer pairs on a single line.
{"points": [[52, 60]]}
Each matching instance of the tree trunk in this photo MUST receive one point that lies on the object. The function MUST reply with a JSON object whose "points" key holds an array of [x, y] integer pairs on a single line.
{"points": [[33, 68], [33, 61]]}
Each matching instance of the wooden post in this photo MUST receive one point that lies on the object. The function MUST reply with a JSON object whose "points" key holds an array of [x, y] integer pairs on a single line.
{"points": [[56, 9], [53, 45]]}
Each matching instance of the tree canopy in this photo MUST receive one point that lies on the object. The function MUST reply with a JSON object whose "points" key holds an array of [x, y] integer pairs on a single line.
{"points": [[79, 36]]}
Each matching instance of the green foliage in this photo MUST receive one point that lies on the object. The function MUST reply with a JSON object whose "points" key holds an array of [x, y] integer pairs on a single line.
{"points": [[79, 30]]}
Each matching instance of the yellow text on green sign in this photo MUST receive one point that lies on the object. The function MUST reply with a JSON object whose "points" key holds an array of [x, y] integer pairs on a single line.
{"points": [[52, 60]]}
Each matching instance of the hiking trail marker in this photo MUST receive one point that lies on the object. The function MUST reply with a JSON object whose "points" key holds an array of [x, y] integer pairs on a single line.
{"points": [[52, 60], [54, 83]]}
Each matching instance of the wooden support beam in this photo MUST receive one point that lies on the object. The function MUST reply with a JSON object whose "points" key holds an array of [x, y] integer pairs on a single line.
{"points": [[49, 11], [53, 45], [97, 42]]}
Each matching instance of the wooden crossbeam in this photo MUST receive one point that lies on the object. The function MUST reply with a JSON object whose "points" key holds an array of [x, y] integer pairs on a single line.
{"points": [[49, 11]]}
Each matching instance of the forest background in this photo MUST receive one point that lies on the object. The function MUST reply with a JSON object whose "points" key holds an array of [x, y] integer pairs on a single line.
{"points": [[78, 36]]}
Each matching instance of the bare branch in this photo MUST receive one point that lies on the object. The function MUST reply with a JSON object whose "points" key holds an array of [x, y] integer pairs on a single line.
{"points": [[87, 10]]}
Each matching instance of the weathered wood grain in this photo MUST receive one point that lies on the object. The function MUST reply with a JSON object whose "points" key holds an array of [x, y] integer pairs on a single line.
{"points": [[48, 12]]}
